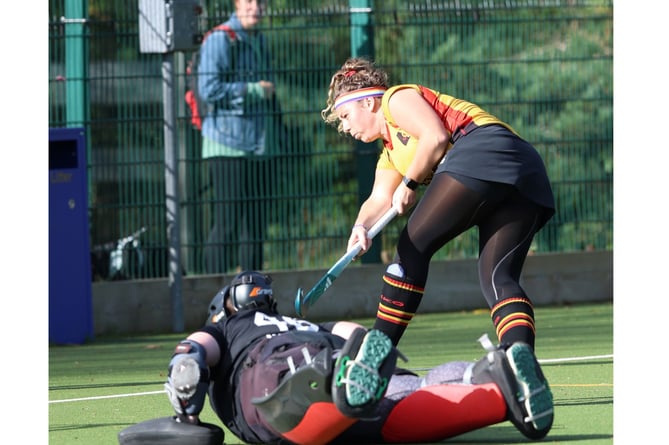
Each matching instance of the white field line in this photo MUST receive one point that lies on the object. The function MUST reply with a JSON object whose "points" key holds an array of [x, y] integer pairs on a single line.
{"points": [[575, 359], [114, 396], [555, 360]]}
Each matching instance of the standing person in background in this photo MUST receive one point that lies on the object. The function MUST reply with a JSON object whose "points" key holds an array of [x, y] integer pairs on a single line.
{"points": [[478, 172], [234, 79]]}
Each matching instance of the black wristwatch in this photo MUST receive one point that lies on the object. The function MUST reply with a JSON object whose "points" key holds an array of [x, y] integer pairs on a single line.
{"points": [[410, 183]]}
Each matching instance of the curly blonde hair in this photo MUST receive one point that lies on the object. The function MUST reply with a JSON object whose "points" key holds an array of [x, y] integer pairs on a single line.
{"points": [[354, 74]]}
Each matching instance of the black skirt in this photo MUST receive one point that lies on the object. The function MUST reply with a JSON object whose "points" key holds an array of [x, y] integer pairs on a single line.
{"points": [[493, 153]]}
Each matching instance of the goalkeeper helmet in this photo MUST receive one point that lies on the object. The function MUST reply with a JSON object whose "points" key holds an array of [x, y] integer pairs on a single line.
{"points": [[248, 290], [252, 290]]}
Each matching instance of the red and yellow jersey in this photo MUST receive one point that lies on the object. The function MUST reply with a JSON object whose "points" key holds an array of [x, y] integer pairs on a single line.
{"points": [[459, 117]]}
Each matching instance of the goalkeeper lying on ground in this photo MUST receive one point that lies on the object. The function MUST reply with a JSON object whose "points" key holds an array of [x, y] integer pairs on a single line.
{"points": [[276, 379]]}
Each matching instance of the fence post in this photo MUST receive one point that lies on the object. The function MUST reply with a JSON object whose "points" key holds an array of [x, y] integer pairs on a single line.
{"points": [[172, 193], [362, 44], [76, 73]]}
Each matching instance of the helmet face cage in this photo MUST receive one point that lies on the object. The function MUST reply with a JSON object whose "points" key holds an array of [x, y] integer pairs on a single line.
{"points": [[252, 290]]}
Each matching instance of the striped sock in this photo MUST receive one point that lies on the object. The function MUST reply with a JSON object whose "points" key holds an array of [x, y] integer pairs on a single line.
{"points": [[398, 303], [513, 319]]}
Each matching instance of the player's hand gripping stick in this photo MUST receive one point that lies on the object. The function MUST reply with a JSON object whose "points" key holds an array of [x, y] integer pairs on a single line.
{"points": [[304, 302]]}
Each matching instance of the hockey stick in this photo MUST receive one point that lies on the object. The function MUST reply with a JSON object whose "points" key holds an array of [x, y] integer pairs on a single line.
{"points": [[304, 302]]}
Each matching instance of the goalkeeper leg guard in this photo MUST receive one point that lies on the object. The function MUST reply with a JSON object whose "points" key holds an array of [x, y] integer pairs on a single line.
{"points": [[437, 412]]}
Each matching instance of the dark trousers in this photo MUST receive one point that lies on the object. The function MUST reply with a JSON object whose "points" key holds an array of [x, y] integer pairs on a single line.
{"points": [[238, 220]]}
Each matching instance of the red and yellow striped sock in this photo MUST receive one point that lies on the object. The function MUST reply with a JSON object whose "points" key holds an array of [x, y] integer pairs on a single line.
{"points": [[513, 319], [398, 303]]}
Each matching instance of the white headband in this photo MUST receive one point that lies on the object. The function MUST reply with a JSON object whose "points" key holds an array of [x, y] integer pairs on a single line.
{"points": [[359, 94]]}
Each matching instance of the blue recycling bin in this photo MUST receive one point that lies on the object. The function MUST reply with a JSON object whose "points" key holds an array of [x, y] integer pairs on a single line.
{"points": [[70, 305]]}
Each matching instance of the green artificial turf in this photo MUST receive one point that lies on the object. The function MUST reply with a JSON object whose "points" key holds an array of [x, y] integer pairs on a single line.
{"points": [[98, 389]]}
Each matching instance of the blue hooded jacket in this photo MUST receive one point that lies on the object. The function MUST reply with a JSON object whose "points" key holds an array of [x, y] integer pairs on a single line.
{"points": [[227, 72]]}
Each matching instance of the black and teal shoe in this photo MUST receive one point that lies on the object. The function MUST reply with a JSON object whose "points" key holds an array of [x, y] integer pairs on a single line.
{"points": [[362, 372], [516, 371]]}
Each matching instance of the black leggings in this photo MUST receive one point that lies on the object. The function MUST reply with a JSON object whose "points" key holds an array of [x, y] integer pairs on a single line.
{"points": [[507, 222]]}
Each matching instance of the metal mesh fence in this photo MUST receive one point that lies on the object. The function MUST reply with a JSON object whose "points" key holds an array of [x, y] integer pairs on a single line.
{"points": [[545, 67]]}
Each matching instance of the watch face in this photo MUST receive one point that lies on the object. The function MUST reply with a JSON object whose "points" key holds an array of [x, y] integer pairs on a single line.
{"points": [[410, 183]]}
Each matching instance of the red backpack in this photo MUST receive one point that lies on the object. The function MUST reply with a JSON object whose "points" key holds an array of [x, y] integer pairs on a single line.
{"points": [[196, 106]]}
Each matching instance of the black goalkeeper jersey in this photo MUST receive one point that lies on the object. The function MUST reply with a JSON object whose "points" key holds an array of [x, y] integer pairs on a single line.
{"points": [[236, 336]]}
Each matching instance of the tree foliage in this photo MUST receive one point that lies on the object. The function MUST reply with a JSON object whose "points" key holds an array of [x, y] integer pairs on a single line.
{"points": [[543, 66]]}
